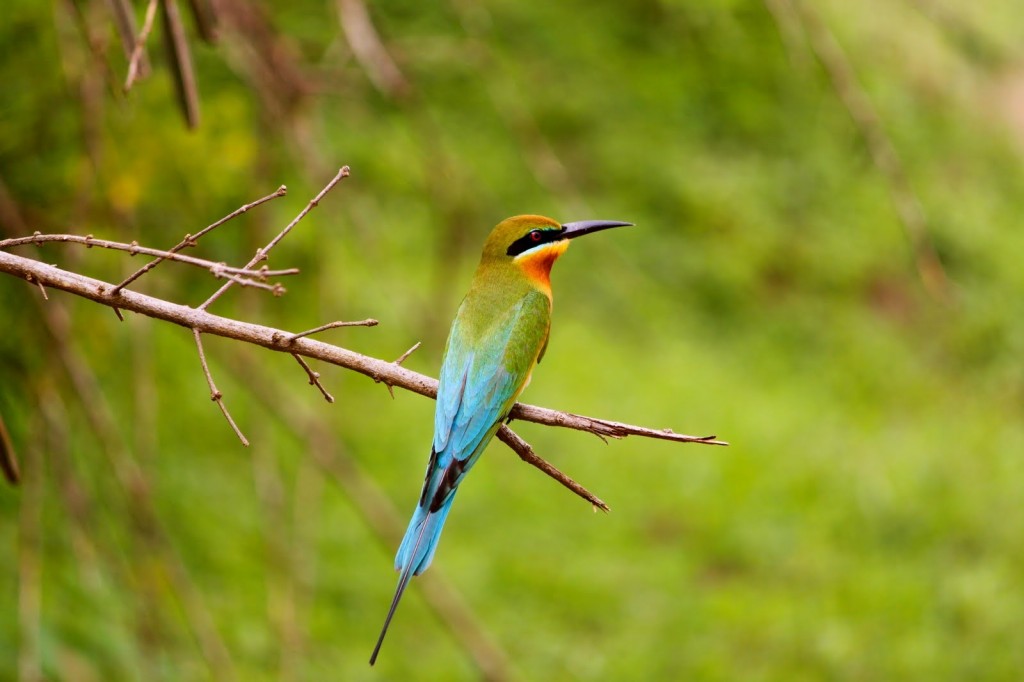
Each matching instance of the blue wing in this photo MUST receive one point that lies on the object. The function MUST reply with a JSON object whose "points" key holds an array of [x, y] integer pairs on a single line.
{"points": [[480, 380], [483, 372]]}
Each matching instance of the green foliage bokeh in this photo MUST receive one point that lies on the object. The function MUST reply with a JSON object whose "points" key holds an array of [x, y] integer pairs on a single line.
{"points": [[865, 523]]}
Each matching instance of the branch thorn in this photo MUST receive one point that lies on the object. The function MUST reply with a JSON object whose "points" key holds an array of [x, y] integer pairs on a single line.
{"points": [[402, 358]]}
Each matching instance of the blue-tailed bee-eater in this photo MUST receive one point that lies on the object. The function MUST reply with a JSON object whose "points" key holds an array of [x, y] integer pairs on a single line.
{"points": [[498, 337]]}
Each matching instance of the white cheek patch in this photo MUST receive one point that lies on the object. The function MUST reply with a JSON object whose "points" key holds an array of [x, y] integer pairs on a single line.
{"points": [[554, 248]]}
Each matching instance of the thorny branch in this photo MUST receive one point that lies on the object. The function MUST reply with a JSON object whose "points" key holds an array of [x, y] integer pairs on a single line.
{"points": [[199, 321], [389, 373]]}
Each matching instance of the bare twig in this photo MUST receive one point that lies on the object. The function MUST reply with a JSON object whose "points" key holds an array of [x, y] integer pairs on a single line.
{"points": [[215, 395], [526, 453], [140, 42], [217, 269], [190, 239], [369, 322], [261, 254], [844, 80], [389, 373], [314, 378]]}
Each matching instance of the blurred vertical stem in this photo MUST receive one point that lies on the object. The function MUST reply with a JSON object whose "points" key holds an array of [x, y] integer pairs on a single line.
{"points": [[30, 561], [908, 207], [180, 58]]}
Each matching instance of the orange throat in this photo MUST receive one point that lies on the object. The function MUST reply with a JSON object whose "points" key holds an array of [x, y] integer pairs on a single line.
{"points": [[537, 264]]}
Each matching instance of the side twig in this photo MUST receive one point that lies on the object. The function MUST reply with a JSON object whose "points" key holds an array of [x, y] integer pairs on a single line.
{"points": [[215, 395], [261, 254], [369, 322], [314, 378], [190, 239], [526, 453]]}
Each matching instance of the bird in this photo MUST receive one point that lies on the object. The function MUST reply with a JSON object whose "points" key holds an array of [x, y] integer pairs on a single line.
{"points": [[499, 334]]}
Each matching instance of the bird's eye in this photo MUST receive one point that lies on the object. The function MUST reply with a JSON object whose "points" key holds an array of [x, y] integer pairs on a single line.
{"points": [[535, 236]]}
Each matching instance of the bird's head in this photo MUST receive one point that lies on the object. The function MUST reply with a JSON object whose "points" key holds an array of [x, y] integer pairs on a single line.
{"points": [[533, 243]]}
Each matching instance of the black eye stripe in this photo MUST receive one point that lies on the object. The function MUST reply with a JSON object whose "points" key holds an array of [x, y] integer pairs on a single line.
{"points": [[534, 238]]}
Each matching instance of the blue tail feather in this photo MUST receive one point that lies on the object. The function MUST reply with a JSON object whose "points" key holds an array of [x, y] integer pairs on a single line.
{"points": [[419, 554], [414, 555]]}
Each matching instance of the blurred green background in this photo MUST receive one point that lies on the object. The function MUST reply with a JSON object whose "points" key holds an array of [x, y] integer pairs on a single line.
{"points": [[780, 290]]}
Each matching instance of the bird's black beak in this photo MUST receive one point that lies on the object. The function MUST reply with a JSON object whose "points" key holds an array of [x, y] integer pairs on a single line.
{"points": [[578, 229]]}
